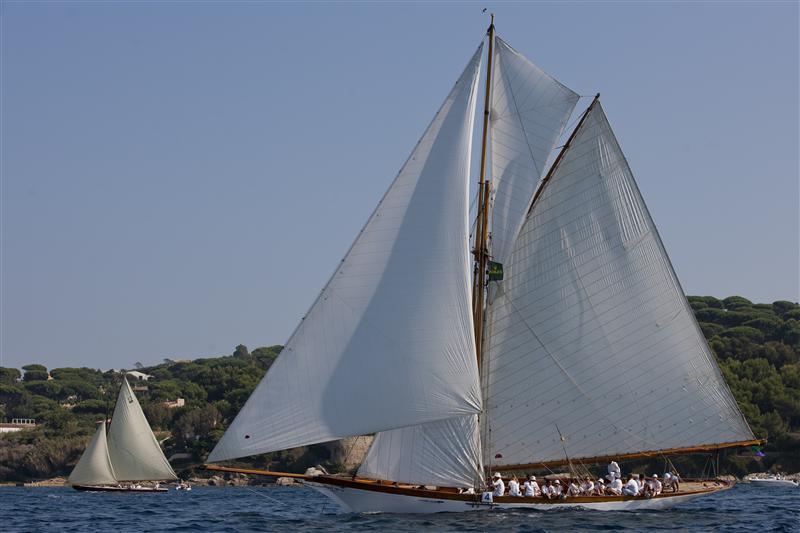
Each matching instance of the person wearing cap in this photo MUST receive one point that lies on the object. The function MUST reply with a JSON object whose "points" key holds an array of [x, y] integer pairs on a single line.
{"points": [[499, 486], [587, 487], [557, 490], [531, 488], [655, 485], [631, 487], [671, 482], [599, 487], [513, 487]]}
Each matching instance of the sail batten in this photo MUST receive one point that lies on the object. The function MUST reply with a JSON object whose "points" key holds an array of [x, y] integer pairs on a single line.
{"points": [[594, 349], [388, 343]]}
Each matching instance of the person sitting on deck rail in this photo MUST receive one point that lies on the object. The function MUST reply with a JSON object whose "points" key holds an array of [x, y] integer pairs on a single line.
{"points": [[599, 488], [615, 487], [513, 487], [587, 487], [499, 486], [655, 485], [547, 489], [531, 488], [573, 489], [631, 487]]}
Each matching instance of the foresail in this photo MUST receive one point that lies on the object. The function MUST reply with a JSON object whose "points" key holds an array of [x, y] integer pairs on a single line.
{"points": [[94, 467], [594, 349], [388, 343], [132, 447], [529, 112], [444, 453]]}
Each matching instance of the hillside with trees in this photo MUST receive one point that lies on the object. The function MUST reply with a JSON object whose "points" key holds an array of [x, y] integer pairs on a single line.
{"points": [[757, 347]]}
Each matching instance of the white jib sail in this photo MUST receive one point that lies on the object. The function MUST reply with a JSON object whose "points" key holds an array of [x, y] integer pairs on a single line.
{"points": [[388, 343], [135, 454], [528, 113], [94, 467], [593, 339], [443, 453]]}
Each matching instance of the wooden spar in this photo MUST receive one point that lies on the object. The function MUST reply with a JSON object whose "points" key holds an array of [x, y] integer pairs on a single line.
{"points": [[481, 251], [637, 455], [560, 155], [254, 472]]}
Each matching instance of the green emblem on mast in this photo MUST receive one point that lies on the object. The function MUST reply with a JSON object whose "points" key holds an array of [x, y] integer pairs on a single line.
{"points": [[495, 271]]}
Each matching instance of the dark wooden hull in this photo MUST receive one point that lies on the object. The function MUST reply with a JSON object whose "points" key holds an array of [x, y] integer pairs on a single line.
{"points": [[102, 488]]}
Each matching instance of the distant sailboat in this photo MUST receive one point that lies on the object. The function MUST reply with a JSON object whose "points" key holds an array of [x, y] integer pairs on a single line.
{"points": [[127, 455], [568, 339]]}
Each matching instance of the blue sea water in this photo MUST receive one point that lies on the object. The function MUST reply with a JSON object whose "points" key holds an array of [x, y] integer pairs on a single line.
{"points": [[744, 508]]}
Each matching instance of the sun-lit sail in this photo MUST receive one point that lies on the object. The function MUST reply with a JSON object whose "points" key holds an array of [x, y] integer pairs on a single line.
{"points": [[94, 466], [594, 349], [528, 113], [388, 343], [132, 447]]}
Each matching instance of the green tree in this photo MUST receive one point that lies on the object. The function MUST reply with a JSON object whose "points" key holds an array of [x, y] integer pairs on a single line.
{"points": [[35, 373]]}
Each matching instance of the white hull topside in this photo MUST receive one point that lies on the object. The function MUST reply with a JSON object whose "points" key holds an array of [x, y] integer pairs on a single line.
{"points": [[365, 501], [772, 481]]}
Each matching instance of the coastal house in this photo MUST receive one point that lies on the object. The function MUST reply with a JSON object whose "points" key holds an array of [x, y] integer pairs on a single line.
{"points": [[138, 376], [179, 402], [18, 424]]}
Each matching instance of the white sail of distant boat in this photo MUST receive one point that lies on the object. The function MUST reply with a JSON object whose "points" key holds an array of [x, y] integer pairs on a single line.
{"points": [[128, 453], [573, 341]]}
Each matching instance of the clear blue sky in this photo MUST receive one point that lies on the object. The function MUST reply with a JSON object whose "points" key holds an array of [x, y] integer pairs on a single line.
{"points": [[179, 178]]}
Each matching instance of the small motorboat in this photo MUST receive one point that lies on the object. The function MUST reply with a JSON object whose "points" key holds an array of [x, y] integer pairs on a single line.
{"points": [[774, 480]]}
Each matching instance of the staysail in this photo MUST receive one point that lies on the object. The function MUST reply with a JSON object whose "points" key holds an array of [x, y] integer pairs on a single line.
{"points": [[594, 349], [132, 447], [529, 111], [94, 466], [388, 343]]}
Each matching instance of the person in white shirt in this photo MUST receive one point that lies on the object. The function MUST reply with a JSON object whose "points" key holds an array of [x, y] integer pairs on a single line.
{"points": [[556, 490], [631, 488], [531, 488], [615, 487], [587, 487], [499, 486], [613, 470], [599, 487], [513, 487], [573, 489], [655, 485], [547, 490]]}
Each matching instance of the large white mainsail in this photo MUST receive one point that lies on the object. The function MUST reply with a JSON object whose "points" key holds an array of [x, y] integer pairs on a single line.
{"points": [[132, 447], [388, 343], [94, 466], [594, 349], [528, 113]]}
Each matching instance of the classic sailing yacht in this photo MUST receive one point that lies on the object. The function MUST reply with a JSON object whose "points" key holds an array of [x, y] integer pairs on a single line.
{"points": [[129, 454], [566, 339]]}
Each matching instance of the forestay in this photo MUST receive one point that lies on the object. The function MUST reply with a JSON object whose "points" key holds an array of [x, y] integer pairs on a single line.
{"points": [[388, 343], [529, 111], [593, 339], [94, 467], [132, 447]]}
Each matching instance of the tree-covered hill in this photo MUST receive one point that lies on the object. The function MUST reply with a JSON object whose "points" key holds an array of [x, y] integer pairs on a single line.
{"points": [[757, 346]]}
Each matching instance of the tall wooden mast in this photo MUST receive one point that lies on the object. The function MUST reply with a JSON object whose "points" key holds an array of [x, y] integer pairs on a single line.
{"points": [[481, 250]]}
